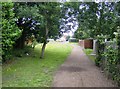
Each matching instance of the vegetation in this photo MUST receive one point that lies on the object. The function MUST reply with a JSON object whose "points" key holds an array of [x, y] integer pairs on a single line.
{"points": [[108, 57], [10, 32], [96, 19], [24, 21], [88, 53], [29, 71], [99, 21], [40, 19], [112, 65]]}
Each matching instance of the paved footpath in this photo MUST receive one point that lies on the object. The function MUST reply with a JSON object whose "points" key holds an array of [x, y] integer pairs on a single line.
{"points": [[79, 71]]}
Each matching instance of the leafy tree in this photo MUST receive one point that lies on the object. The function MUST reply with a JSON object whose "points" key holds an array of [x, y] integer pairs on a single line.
{"points": [[106, 20], [87, 19], [117, 12], [51, 14], [80, 34], [46, 14], [97, 18], [27, 21], [10, 32], [69, 12]]}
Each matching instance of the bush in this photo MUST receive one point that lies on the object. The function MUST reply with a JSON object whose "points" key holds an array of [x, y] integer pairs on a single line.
{"points": [[112, 64], [100, 50], [108, 57], [10, 31]]}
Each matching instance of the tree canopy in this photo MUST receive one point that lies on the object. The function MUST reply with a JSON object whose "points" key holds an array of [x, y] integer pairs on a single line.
{"points": [[50, 19], [38, 19], [97, 18]]}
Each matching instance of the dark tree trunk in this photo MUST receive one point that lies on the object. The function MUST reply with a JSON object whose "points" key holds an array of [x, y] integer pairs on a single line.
{"points": [[44, 44], [20, 42], [43, 50]]}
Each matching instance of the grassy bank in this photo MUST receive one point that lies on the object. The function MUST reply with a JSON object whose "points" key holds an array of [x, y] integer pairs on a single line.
{"points": [[29, 70]]}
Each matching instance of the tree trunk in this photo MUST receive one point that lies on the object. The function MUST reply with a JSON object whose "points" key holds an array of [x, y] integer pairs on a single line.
{"points": [[43, 50], [44, 44], [20, 43]]}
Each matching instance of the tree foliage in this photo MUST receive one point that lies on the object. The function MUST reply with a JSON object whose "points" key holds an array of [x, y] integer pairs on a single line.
{"points": [[28, 21], [44, 19], [40, 19], [69, 12], [51, 13], [98, 18]]}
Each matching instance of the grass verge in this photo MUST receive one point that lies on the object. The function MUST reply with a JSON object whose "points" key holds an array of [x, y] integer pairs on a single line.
{"points": [[88, 53], [31, 71]]}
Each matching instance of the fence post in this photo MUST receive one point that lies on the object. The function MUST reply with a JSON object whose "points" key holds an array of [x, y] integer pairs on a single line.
{"points": [[94, 47]]}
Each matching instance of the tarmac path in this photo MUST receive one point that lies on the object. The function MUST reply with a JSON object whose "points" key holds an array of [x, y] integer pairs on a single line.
{"points": [[79, 71]]}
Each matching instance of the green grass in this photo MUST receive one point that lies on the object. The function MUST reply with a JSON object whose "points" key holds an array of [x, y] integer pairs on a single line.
{"points": [[88, 53], [31, 71]]}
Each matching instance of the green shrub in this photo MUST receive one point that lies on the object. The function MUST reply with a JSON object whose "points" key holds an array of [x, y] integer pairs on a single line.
{"points": [[100, 50], [10, 31], [112, 64], [108, 57]]}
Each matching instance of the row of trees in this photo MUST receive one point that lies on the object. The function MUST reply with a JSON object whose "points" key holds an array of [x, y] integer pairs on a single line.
{"points": [[98, 18], [93, 18], [22, 20]]}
